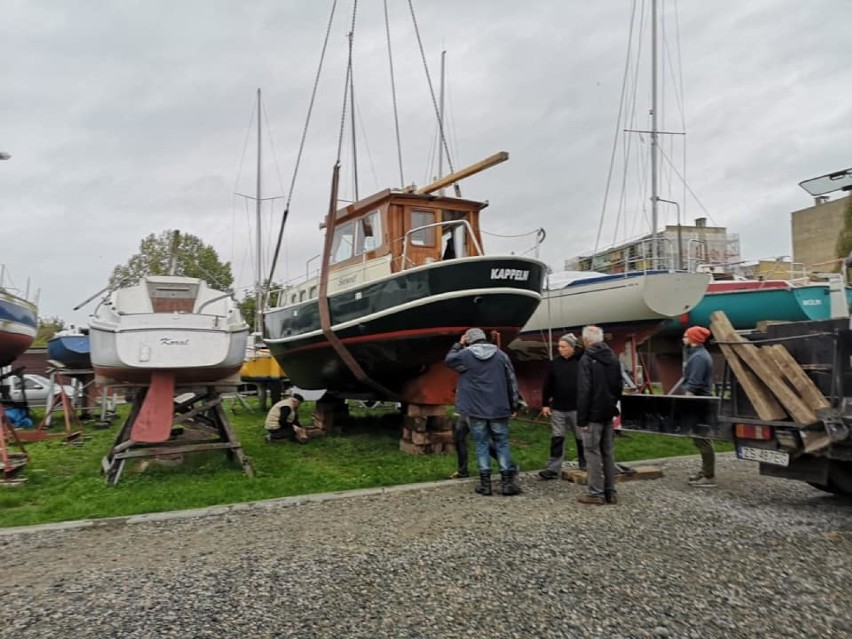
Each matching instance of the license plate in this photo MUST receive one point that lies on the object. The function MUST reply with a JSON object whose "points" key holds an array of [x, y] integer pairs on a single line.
{"points": [[766, 456]]}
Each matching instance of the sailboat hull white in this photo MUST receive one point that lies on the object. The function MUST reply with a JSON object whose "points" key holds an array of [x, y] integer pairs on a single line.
{"points": [[195, 347]]}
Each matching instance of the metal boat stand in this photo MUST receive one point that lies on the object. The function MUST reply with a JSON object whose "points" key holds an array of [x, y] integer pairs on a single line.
{"points": [[73, 427], [201, 405]]}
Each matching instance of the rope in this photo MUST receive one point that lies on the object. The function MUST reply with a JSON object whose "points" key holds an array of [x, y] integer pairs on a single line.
{"points": [[431, 88], [301, 145], [393, 96]]}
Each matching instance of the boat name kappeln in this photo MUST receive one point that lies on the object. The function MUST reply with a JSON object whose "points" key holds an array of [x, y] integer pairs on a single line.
{"points": [[509, 274], [168, 341]]}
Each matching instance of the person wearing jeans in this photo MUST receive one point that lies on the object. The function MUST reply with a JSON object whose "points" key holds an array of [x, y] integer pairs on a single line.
{"points": [[487, 394], [598, 391]]}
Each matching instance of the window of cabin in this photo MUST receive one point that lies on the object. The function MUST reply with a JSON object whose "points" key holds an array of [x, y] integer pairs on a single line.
{"points": [[302, 295], [313, 292], [422, 237], [369, 233], [293, 298], [343, 243], [454, 236]]}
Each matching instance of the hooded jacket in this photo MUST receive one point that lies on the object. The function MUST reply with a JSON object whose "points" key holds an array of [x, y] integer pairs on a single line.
{"points": [[487, 387], [599, 385]]}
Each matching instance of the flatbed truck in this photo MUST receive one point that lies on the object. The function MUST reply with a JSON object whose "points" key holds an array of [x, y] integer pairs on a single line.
{"points": [[818, 452]]}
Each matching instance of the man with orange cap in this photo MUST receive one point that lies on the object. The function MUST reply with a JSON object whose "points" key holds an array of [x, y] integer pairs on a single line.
{"points": [[698, 380]]}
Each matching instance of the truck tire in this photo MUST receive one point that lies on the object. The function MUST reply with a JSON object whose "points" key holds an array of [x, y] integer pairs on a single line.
{"points": [[839, 479]]}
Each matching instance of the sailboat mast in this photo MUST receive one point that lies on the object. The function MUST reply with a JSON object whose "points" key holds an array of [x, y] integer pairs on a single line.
{"points": [[441, 118], [257, 293], [654, 134]]}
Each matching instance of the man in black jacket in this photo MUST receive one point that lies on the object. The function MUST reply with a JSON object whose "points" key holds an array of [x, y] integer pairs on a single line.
{"points": [[559, 399], [598, 391]]}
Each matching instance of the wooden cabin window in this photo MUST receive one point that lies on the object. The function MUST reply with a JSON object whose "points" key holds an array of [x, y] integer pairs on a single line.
{"points": [[423, 237], [343, 243]]}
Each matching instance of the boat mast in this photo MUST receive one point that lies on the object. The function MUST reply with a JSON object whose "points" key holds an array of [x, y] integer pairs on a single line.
{"points": [[654, 133], [257, 292], [441, 120]]}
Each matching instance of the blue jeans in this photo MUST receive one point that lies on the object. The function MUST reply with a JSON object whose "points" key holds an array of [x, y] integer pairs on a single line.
{"points": [[486, 430]]}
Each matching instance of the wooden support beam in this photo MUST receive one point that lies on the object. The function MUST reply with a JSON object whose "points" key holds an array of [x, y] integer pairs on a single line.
{"points": [[487, 163], [797, 376], [765, 369], [761, 398]]}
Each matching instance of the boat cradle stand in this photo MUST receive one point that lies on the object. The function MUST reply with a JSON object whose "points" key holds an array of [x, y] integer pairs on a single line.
{"points": [[201, 405]]}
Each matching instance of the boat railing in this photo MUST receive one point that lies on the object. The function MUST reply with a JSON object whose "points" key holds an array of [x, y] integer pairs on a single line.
{"points": [[406, 263], [217, 298]]}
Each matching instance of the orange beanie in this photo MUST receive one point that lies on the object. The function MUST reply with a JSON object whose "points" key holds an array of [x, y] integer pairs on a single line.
{"points": [[697, 334]]}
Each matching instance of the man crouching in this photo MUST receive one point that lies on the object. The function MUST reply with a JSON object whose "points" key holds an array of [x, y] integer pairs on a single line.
{"points": [[282, 421]]}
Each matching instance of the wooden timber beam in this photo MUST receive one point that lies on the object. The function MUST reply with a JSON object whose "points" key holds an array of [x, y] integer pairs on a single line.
{"points": [[761, 398], [765, 369], [473, 169]]}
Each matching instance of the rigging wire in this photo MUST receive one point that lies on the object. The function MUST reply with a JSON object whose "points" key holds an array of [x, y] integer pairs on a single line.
{"points": [[616, 137], [301, 144], [346, 84], [431, 88], [393, 95]]}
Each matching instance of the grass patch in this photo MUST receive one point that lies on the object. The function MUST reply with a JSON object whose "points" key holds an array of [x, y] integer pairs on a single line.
{"points": [[64, 480]]}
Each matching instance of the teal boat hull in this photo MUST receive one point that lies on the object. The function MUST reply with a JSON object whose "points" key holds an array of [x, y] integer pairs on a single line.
{"points": [[746, 308]]}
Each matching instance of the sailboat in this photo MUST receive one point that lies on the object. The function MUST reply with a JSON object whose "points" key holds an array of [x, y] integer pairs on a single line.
{"points": [[177, 327], [630, 305], [403, 273], [18, 323]]}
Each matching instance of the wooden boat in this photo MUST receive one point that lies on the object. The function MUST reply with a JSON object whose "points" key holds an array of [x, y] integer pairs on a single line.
{"points": [[71, 348], [167, 324], [406, 276], [630, 307], [18, 325]]}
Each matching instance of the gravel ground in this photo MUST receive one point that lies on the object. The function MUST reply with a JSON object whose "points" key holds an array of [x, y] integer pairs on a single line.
{"points": [[755, 557]]}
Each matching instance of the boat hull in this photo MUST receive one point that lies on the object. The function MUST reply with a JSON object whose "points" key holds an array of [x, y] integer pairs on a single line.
{"points": [[399, 329], [745, 308], [197, 335], [18, 326], [73, 351], [630, 309]]}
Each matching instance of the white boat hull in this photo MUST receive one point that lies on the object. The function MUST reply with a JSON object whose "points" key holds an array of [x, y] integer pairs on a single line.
{"points": [[195, 347]]}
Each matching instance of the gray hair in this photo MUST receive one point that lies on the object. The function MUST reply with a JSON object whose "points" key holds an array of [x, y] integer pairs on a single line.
{"points": [[593, 334]]}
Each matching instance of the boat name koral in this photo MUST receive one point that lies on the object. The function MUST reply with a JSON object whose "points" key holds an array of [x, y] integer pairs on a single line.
{"points": [[168, 341], [509, 274]]}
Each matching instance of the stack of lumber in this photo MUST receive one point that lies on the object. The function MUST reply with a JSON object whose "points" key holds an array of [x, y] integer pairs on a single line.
{"points": [[775, 384]]}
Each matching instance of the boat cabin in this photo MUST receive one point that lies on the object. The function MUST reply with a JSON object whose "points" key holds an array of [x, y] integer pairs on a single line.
{"points": [[393, 231]]}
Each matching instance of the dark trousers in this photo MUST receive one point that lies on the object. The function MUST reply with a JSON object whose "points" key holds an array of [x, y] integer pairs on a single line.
{"points": [[708, 456]]}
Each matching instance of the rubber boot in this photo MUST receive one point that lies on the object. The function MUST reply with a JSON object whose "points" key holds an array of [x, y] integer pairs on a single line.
{"points": [[484, 487], [509, 484]]}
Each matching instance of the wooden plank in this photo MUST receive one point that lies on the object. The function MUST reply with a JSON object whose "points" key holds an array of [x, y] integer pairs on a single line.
{"points": [[766, 370], [580, 477], [487, 163], [761, 398], [797, 376]]}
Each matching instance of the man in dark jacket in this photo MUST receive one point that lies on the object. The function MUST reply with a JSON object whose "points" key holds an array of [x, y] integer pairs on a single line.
{"points": [[559, 398], [598, 391], [487, 395], [698, 380]]}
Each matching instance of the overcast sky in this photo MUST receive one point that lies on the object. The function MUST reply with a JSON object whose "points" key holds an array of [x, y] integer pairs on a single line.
{"points": [[126, 118]]}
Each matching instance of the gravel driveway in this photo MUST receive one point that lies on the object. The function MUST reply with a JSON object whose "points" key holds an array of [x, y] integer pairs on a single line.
{"points": [[755, 557]]}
